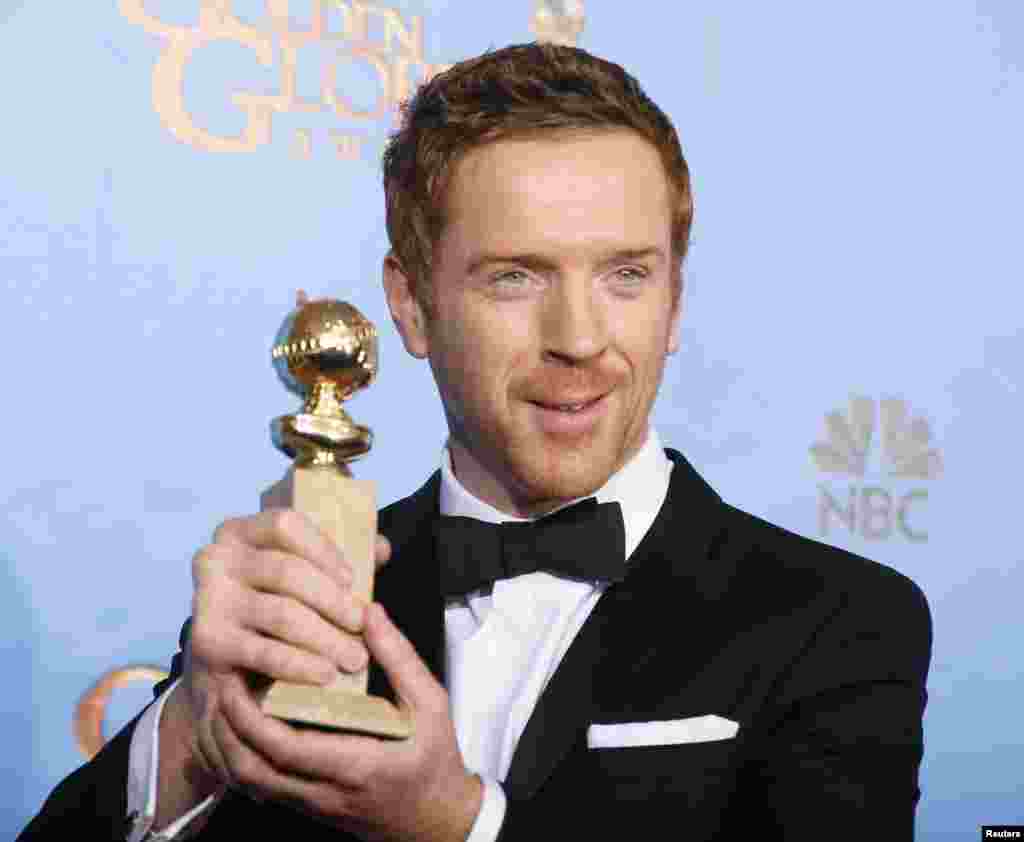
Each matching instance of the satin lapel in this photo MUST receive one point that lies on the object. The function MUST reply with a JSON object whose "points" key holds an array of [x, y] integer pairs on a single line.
{"points": [[408, 586], [562, 709], [677, 544]]}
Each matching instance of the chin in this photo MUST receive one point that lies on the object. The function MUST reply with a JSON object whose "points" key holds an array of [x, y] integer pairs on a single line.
{"points": [[560, 473]]}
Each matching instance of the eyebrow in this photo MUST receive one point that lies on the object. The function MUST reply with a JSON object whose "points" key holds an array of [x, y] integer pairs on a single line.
{"points": [[534, 260]]}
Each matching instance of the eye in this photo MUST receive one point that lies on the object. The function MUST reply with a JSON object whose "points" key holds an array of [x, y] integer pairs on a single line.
{"points": [[630, 278], [514, 282], [632, 273], [515, 277]]}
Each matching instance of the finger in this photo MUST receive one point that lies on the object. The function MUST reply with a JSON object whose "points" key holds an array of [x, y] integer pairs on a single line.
{"points": [[239, 766], [293, 623], [382, 551], [294, 533], [213, 757], [348, 760], [272, 658], [211, 746], [256, 775], [293, 576], [409, 675], [191, 702], [213, 562], [221, 641]]}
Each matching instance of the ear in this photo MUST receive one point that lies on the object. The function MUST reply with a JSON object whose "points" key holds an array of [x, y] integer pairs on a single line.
{"points": [[406, 310]]}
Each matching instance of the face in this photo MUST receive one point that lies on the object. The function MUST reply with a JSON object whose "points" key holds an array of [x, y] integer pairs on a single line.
{"points": [[552, 286]]}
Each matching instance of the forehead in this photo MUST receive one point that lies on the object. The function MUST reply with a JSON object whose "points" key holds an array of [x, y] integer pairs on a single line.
{"points": [[576, 191]]}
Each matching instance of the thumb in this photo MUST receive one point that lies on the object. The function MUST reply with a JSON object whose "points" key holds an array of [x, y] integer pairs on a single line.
{"points": [[381, 551], [409, 675]]}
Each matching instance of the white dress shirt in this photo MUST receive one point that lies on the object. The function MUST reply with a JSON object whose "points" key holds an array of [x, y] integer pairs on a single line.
{"points": [[502, 645]]}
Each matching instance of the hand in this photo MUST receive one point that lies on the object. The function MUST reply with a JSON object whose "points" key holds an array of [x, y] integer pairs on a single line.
{"points": [[411, 790], [271, 597]]}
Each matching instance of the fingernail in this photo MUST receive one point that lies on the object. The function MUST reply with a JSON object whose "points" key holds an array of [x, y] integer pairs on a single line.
{"points": [[359, 614], [357, 661]]}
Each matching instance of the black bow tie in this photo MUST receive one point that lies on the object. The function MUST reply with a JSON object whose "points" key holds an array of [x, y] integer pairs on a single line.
{"points": [[584, 541]]}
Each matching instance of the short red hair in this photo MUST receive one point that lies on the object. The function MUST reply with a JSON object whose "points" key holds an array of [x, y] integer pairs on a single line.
{"points": [[521, 90]]}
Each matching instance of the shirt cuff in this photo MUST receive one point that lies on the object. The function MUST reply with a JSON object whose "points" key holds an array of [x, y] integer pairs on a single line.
{"points": [[143, 765], [492, 813]]}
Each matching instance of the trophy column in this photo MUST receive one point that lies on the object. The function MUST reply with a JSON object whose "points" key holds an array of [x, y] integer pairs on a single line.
{"points": [[326, 350]]}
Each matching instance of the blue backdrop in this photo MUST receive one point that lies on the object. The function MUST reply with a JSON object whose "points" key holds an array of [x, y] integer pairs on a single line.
{"points": [[852, 340]]}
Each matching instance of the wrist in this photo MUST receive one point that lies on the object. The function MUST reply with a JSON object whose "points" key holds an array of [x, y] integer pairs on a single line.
{"points": [[467, 803], [183, 780]]}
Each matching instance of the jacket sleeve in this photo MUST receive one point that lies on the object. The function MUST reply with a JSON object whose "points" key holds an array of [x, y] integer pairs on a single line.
{"points": [[91, 802], [842, 744], [177, 662]]}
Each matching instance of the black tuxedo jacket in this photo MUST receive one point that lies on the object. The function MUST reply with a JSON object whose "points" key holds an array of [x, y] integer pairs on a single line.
{"points": [[821, 656]]}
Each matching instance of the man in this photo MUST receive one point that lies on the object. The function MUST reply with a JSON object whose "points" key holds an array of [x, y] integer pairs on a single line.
{"points": [[714, 676]]}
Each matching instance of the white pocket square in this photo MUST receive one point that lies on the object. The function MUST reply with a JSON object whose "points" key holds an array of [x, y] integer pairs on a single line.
{"points": [[695, 729]]}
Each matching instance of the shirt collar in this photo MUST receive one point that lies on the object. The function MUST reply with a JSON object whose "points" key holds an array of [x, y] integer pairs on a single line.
{"points": [[639, 486]]}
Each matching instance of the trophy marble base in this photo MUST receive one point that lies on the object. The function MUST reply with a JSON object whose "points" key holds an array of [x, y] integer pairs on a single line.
{"points": [[346, 510], [331, 707]]}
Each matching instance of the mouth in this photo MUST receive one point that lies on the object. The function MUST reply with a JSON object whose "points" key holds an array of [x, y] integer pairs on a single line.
{"points": [[570, 418], [570, 407]]}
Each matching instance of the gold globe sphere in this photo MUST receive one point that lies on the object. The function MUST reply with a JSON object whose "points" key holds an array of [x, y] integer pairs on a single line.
{"points": [[326, 350], [327, 340]]}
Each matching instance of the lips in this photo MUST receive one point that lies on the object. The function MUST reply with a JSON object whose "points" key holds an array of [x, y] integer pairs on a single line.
{"points": [[566, 401], [556, 421]]}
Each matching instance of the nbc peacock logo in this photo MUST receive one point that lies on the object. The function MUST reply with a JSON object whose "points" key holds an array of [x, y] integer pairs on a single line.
{"points": [[886, 456]]}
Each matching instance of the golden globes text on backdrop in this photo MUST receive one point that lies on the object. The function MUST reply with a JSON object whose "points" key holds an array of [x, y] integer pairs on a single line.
{"points": [[339, 33], [343, 28]]}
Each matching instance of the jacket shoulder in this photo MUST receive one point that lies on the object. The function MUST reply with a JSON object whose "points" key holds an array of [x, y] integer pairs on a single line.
{"points": [[790, 563], [400, 521]]}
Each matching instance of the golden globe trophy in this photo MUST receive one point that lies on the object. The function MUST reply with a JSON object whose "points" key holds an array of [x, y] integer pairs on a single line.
{"points": [[325, 351]]}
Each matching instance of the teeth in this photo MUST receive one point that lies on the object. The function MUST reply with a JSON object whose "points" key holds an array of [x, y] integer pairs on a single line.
{"points": [[566, 407]]}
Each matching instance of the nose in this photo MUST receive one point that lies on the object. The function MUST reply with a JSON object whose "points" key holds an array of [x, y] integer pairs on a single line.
{"points": [[575, 323]]}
